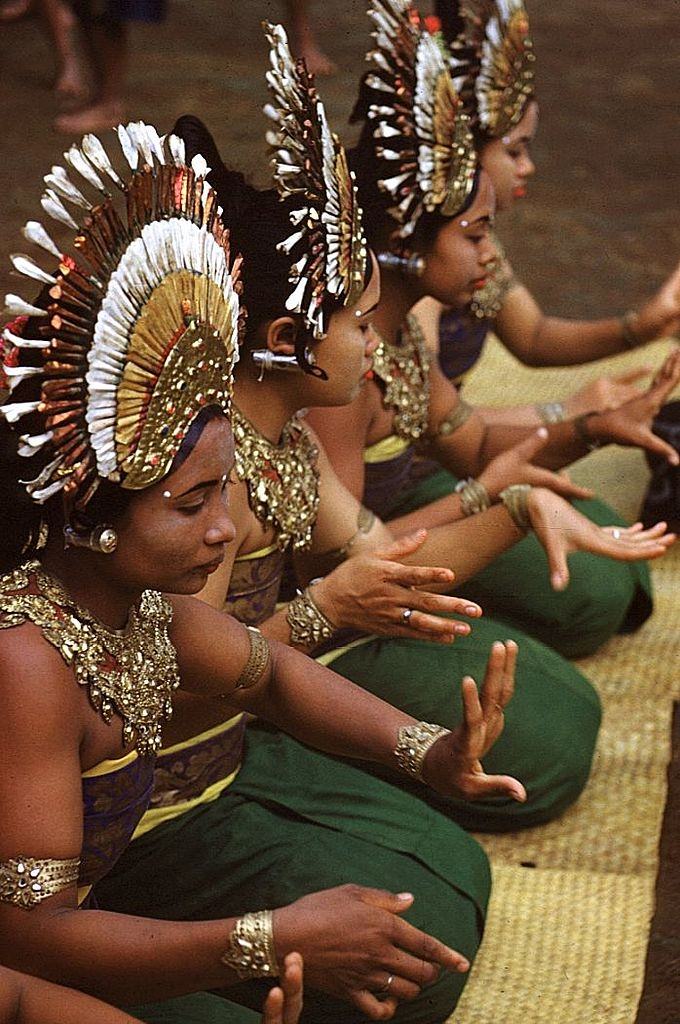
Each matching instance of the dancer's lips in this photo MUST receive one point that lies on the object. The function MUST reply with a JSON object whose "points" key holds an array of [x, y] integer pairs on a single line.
{"points": [[210, 567], [519, 192]]}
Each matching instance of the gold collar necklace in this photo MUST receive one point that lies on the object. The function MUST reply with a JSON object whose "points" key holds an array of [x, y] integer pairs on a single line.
{"points": [[404, 371], [282, 479], [131, 672]]}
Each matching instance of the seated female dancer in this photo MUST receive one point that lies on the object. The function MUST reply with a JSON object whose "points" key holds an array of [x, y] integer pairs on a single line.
{"points": [[288, 497], [492, 64], [28, 1000], [114, 492], [440, 219]]}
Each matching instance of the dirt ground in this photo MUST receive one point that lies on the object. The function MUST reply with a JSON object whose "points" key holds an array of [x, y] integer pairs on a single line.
{"points": [[600, 228]]}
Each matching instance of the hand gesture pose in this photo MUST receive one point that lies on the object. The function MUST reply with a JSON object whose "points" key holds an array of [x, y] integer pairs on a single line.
{"points": [[515, 466], [631, 423], [371, 592], [356, 947], [561, 529], [453, 765], [605, 393], [660, 316], [283, 1004]]}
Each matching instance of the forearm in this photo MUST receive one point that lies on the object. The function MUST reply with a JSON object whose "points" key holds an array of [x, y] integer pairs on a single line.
{"points": [[554, 341], [120, 958], [469, 545], [41, 1002], [563, 447], [326, 711], [512, 415]]}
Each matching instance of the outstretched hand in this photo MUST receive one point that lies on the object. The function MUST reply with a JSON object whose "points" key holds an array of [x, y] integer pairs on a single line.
{"points": [[631, 423], [561, 530], [660, 316], [453, 765], [372, 591], [606, 392], [515, 466]]}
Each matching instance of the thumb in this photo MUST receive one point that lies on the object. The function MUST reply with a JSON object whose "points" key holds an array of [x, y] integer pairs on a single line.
{"points": [[395, 903], [531, 445], [630, 376], [553, 542], [652, 443], [403, 546]]}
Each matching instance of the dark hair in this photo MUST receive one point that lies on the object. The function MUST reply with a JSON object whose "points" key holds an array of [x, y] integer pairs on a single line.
{"points": [[20, 516], [368, 168], [257, 220]]}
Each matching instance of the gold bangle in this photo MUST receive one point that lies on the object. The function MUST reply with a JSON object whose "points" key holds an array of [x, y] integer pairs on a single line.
{"points": [[515, 498], [551, 412], [474, 497], [591, 444], [627, 321], [454, 420], [26, 882], [413, 743], [308, 624], [258, 660], [251, 951]]}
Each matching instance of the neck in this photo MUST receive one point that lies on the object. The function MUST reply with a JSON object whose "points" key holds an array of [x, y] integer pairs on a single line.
{"points": [[76, 569], [269, 403], [398, 294]]}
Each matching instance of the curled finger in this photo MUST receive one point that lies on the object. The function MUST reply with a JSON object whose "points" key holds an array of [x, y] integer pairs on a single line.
{"points": [[372, 1006]]}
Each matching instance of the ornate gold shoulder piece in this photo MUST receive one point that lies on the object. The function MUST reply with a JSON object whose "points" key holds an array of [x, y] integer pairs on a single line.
{"points": [[404, 371], [487, 302], [282, 479], [132, 672]]}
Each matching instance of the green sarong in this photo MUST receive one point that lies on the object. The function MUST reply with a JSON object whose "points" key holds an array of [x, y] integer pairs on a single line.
{"points": [[603, 598], [293, 822], [201, 1008], [551, 722]]}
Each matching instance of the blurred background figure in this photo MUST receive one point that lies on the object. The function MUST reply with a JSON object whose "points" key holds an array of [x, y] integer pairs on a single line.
{"points": [[61, 23], [303, 38], [104, 31]]}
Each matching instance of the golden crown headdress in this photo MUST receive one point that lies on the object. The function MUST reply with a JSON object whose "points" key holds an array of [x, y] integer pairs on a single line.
{"points": [[419, 123], [309, 162], [134, 336], [492, 63]]}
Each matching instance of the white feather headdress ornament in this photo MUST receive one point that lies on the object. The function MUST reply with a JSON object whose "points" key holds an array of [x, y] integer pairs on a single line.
{"points": [[136, 334], [420, 127], [492, 63], [309, 162]]}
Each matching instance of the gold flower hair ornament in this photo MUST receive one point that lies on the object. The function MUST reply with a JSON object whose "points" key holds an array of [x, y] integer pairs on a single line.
{"points": [[134, 336], [419, 123], [492, 63], [309, 162]]}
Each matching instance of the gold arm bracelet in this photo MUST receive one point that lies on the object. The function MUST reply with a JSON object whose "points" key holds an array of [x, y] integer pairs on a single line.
{"points": [[515, 498], [258, 660], [413, 743], [308, 624], [474, 497], [250, 952], [27, 881], [581, 431], [365, 521], [551, 412], [627, 323], [453, 421]]}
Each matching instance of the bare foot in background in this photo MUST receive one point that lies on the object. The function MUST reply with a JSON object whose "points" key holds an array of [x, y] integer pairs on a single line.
{"points": [[303, 39], [72, 81], [13, 10], [95, 118]]}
